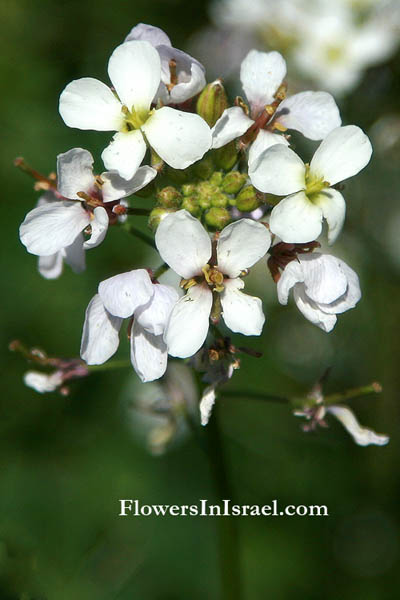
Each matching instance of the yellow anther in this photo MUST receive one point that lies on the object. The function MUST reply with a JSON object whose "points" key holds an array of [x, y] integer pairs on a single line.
{"points": [[279, 126], [280, 93], [187, 283], [213, 277], [269, 109]]}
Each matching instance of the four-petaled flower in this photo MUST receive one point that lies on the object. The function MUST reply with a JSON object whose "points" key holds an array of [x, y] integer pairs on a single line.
{"points": [[210, 275]]}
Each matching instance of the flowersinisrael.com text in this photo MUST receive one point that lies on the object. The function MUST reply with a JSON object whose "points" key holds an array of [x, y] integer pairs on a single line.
{"points": [[224, 509]]}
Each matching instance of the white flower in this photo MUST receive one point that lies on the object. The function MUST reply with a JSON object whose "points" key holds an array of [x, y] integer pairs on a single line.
{"points": [[310, 197], [53, 230], [43, 382], [186, 247], [179, 138], [314, 114], [206, 403], [323, 287], [180, 80], [363, 436], [123, 296]]}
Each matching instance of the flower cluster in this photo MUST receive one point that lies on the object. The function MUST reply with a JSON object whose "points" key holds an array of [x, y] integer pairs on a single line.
{"points": [[224, 191]]}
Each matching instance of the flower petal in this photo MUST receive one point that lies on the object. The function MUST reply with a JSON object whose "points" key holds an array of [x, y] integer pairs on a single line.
{"points": [[99, 226], [333, 207], [149, 354], [124, 293], [89, 104], [74, 255], [135, 70], [116, 187], [50, 267], [363, 436], [242, 313], [292, 274], [190, 75], [342, 154], [351, 296], [232, 124], [241, 245], [261, 73], [148, 33], [43, 382], [263, 141], [183, 243], [278, 170], [296, 220], [311, 310], [51, 227], [189, 321], [154, 315], [100, 336], [179, 138], [324, 279], [125, 153], [206, 404], [74, 173], [314, 114]]}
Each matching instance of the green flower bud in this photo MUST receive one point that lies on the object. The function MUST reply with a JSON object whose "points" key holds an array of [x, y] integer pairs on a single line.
{"points": [[156, 215], [226, 157], [233, 182], [212, 102], [191, 204], [169, 197], [219, 199], [205, 193], [204, 168], [188, 189], [247, 199], [217, 218], [216, 178], [180, 176]]}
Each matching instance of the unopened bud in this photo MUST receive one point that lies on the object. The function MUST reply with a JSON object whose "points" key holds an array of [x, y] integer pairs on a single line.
{"points": [[188, 189], [157, 215], [233, 182], [191, 204], [217, 218], [204, 168], [212, 102], [247, 200], [219, 199], [216, 178], [169, 197], [226, 157]]}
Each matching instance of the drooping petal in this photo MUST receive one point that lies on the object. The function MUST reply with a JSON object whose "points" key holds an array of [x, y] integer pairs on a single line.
{"points": [[242, 313], [154, 315], [311, 310], [74, 255], [190, 75], [148, 33], [51, 227], [187, 327], [74, 172], [296, 220], [264, 140], [134, 69], [240, 245], [363, 436], [179, 138], [125, 153], [100, 336], [232, 124], [149, 354], [261, 73], [116, 187], [206, 404], [50, 267], [89, 104], [43, 382], [99, 226], [278, 170], [183, 243], [292, 274], [342, 154], [314, 114], [351, 296], [333, 209], [124, 293], [324, 279]]}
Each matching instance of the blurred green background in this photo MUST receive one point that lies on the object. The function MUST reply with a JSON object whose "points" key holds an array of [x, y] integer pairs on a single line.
{"points": [[65, 461]]}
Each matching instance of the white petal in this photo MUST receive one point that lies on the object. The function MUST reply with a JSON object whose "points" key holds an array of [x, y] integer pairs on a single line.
{"points": [[89, 104], [149, 354], [296, 220], [115, 187], [314, 114], [190, 74], [311, 310], [292, 274], [125, 153], [232, 124], [99, 225], [206, 404], [361, 435], [189, 321], [342, 154], [74, 172], [50, 267], [124, 293], [183, 243], [333, 207], [100, 336], [154, 315], [51, 227], [43, 382], [278, 170], [241, 245], [324, 279], [148, 33], [263, 141], [179, 138], [135, 70], [261, 73], [74, 255], [351, 296], [242, 313]]}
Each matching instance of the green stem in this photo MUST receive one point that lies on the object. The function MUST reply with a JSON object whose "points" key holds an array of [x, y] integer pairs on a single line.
{"points": [[161, 269], [372, 388], [140, 234], [109, 366]]}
